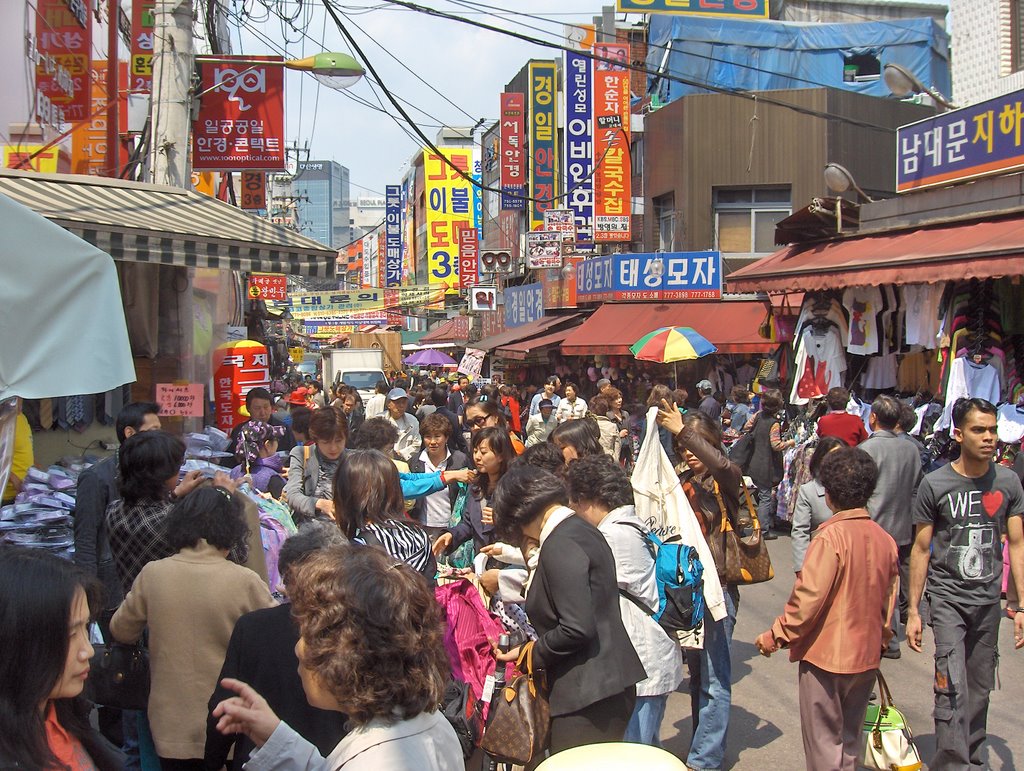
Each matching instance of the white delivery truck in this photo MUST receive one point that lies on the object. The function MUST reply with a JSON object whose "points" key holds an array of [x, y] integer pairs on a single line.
{"points": [[360, 368]]}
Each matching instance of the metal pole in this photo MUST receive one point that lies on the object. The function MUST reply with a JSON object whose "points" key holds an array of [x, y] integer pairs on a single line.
{"points": [[172, 84], [112, 166]]}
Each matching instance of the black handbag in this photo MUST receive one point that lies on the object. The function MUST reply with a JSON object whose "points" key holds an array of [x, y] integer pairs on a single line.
{"points": [[119, 677]]}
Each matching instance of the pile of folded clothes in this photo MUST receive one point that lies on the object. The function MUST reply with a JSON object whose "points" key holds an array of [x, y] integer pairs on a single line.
{"points": [[41, 515]]}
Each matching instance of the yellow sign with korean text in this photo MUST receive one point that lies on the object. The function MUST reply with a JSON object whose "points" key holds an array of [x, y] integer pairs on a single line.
{"points": [[21, 157], [449, 200], [327, 305]]}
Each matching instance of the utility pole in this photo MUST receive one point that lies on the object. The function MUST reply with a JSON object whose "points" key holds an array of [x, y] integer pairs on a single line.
{"points": [[172, 93], [113, 135]]}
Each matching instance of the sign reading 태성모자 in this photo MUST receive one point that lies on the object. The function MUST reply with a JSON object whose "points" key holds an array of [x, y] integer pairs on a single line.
{"points": [[392, 235], [449, 201], [613, 173], [241, 118], [513, 165], [579, 144], [650, 276], [720, 9], [974, 141], [523, 304], [543, 130]]}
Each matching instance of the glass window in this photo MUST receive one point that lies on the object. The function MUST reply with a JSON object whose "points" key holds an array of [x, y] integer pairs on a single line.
{"points": [[734, 231], [764, 229], [665, 217], [745, 218], [1017, 35]]}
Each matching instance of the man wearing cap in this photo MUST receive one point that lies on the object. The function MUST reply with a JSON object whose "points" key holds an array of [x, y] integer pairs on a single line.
{"points": [[409, 440], [540, 426], [708, 404]]}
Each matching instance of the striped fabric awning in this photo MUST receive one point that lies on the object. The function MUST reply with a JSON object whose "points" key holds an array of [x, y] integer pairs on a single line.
{"points": [[142, 222]]}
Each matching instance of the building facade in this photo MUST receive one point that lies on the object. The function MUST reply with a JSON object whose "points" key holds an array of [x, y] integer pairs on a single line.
{"points": [[321, 191], [988, 44]]}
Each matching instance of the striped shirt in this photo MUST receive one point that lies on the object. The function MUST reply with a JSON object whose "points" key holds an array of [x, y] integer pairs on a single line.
{"points": [[404, 541]]}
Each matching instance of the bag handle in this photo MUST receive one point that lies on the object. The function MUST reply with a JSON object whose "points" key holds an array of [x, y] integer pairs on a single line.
{"points": [[884, 695], [526, 655]]}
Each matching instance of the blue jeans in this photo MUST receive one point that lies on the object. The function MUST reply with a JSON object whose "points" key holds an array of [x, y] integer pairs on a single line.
{"points": [[711, 687], [645, 724], [766, 507]]}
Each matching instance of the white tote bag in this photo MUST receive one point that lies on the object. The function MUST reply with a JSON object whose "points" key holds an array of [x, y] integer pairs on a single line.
{"points": [[663, 507]]}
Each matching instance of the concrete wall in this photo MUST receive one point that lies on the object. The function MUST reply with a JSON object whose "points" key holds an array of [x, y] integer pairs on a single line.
{"points": [[982, 58]]}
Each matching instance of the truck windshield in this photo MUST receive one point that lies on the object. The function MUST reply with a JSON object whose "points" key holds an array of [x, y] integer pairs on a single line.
{"points": [[362, 380]]}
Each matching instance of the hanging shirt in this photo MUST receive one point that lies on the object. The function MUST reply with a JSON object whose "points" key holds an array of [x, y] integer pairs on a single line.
{"points": [[1010, 423], [863, 303], [968, 380], [819, 366], [880, 372], [921, 302]]}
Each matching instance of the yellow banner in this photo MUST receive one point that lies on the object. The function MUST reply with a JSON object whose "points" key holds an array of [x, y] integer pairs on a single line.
{"points": [[45, 162], [325, 305], [449, 200]]}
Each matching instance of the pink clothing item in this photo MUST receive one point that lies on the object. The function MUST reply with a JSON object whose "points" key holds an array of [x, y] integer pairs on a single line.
{"points": [[469, 635]]}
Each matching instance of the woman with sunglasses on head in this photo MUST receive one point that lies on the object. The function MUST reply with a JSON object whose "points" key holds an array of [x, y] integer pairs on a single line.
{"points": [[484, 412]]}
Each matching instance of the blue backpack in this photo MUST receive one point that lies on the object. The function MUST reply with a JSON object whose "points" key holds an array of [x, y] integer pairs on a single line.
{"points": [[679, 574]]}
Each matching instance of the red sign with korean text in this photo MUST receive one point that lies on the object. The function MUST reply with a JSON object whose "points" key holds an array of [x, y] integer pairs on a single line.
{"points": [[241, 119], [64, 45], [513, 165], [238, 368], [613, 172], [268, 286], [143, 25], [89, 142], [254, 190], [469, 257]]}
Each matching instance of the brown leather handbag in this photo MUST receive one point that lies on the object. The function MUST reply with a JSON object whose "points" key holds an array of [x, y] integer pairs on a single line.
{"points": [[519, 725], [746, 557]]}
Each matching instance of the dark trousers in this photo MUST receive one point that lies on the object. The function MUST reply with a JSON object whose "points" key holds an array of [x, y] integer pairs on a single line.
{"points": [[177, 764], [899, 613], [604, 721], [832, 711], [966, 656]]}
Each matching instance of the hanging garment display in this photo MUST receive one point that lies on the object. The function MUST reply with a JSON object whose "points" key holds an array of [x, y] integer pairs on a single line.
{"points": [[864, 304]]}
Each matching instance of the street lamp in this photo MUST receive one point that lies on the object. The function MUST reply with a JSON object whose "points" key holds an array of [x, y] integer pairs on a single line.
{"points": [[839, 180], [902, 83], [333, 69]]}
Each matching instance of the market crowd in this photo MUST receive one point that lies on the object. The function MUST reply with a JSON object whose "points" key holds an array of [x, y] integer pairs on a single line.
{"points": [[360, 566]]}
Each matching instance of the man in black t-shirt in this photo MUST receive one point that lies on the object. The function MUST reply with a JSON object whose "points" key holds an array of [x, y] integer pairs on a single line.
{"points": [[961, 512]]}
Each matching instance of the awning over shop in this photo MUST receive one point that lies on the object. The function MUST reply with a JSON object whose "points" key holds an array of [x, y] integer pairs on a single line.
{"points": [[523, 348], [951, 251], [525, 331], [455, 330], [730, 325], [141, 222]]}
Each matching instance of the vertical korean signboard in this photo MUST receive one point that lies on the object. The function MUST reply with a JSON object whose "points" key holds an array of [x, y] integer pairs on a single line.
{"points": [[513, 153], [393, 235], [64, 43], [89, 143], [543, 130], [579, 145], [469, 257], [241, 119], [449, 199], [143, 24], [612, 183]]}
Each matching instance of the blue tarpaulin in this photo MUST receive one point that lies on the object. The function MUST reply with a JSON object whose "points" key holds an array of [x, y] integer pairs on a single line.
{"points": [[774, 55]]}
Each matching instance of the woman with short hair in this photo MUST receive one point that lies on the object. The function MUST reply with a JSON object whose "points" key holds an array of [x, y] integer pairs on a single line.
{"points": [[311, 469], [371, 646], [577, 439], [810, 509]]}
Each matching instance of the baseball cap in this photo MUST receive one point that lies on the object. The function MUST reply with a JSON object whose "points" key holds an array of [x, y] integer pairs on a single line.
{"points": [[397, 393], [545, 403], [705, 385]]}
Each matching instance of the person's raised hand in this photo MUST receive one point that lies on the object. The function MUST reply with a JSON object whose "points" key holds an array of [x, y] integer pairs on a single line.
{"points": [[669, 417], [223, 479], [464, 475], [247, 713], [188, 483]]}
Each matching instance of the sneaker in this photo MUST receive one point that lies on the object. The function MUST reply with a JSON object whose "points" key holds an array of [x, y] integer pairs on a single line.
{"points": [[770, 535], [892, 654]]}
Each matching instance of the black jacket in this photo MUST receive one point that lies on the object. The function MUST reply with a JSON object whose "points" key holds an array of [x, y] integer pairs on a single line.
{"points": [[457, 461], [97, 489], [573, 603], [766, 467], [262, 653]]}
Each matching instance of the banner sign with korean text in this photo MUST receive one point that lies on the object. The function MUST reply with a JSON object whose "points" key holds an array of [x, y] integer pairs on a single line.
{"points": [[561, 221], [343, 326], [559, 288], [254, 190], [270, 287], [543, 249], [31, 158], [322, 305], [543, 150], [183, 401], [143, 26], [370, 260], [612, 178], [513, 165], [523, 304], [971, 142], [409, 227], [657, 276], [469, 257], [449, 201], [63, 44], [89, 142], [241, 119], [579, 144], [719, 9], [472, 363], [392, 235]]}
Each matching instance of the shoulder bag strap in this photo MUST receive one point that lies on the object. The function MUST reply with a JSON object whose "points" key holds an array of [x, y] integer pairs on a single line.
{"points": [[750, 505]]}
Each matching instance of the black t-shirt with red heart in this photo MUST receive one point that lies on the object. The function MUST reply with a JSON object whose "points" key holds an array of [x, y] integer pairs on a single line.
{"points": [[969, 517]]}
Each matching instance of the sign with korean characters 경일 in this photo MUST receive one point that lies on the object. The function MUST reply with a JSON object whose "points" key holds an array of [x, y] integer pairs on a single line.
{"points": [[719, 9], [650, 276], [523, 304], [449, 203], [512, 147], [241, 117], [543, 145], [613, 172], [976, 141]]}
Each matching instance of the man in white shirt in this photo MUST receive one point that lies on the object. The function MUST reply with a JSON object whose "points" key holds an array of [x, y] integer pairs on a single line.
{"points": [[408, 427], [374, 406], [548, 392], [572, 407], [434, 511]]}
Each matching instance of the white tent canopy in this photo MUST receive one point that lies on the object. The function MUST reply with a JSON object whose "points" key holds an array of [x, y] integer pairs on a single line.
{"points": [[62, 327]]}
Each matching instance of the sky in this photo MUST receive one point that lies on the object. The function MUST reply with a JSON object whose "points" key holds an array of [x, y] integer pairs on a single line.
{"points": [[467, 65]]}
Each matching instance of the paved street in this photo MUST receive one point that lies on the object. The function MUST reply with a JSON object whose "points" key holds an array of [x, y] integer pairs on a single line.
{"points": [[764, 732]]}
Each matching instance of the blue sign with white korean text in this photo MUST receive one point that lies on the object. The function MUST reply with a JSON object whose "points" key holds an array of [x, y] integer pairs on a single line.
{"points": [[579, 144], [393, 235], [523, 304], [650, 276], [971, 142]]}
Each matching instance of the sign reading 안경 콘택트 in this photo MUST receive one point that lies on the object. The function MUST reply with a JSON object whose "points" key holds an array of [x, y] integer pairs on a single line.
{"points": [[974, 141], [657, 276]]}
